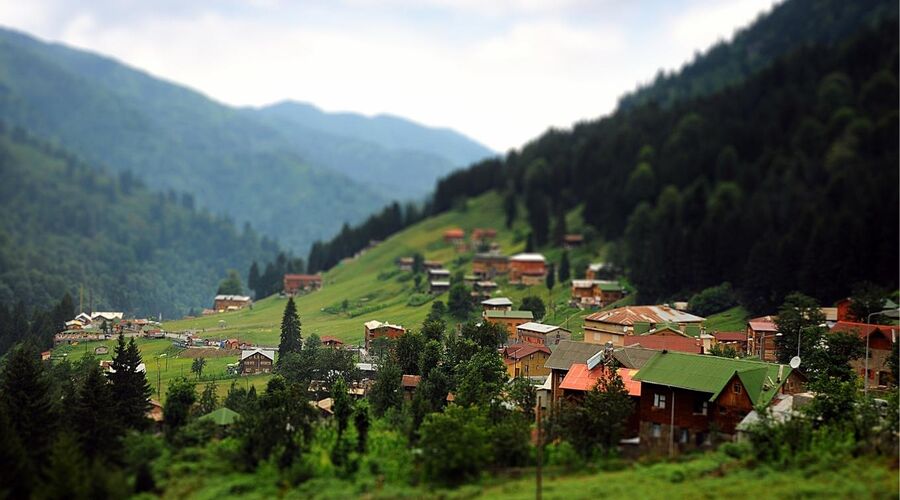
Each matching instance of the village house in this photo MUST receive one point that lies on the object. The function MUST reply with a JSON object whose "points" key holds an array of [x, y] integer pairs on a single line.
{"points": [[405, 263], [258, 360], [483, 234], [438, 287], [686, 397], [439, 274], [614, 325], [510, 319], [455, 237], [496, 304], [583, 377], [377, 329], [296, 283], [332, 342], [880, 340], [224, 303], [525, 360], [484, 288], [527, 269], [573, 241], [735, 340], [596, 293], [541, 334], [761, 333], [432, 264], [409, 384], [567, 353], [489, 265], [670, 338]]}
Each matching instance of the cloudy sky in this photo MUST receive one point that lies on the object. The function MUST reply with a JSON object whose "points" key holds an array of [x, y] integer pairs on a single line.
{"points": [[501, 72]]}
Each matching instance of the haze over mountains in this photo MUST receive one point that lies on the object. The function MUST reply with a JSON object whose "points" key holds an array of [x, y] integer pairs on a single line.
{"points": [[296, 173]]}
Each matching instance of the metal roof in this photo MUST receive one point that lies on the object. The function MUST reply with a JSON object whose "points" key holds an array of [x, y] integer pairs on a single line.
{"points": [[533, 326], [711, 374], [240, 298], [509, 314], [570, 351], [528, 257], [499, 301], [269, 353], [630, 315]]}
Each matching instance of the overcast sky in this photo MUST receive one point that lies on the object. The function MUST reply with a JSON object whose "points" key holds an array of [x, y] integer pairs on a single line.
{"points": [[501, 72]]}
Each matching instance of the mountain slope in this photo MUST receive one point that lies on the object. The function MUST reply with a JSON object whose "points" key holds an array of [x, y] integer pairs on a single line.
{"points": [[68, 224], [790, 25], [284, 178]]}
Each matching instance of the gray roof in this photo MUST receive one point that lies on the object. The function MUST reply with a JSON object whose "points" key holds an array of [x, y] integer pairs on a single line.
{"points": [[499, 301], [570, 351], [633, 356], [269, 353]]}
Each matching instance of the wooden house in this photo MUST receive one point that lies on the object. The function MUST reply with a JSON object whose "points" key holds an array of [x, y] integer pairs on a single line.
{"points": [[573, 240], [615, 324], [332, 342], [409, 384], [736, 340], [527, 269], [377, 329], [489, 265], [510, 319], [440, 274], [496, 304], [296, 283], [583, 377], [455, 236], [667, 338], [541, 334], [224, 303], [483, 234], [438, 287], [405, 263], [432, 264], [880, 340], [596, 293], [567, 353], [525, 360], [255, 361], [686, 397], [761, 333]]}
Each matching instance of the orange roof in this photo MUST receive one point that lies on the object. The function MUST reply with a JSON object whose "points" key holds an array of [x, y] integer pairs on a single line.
{"points": [[328, 338], [523, 350], [660, 342], [580, 378], [454, 233], [862, 329], [763, 324], [410, 381]]}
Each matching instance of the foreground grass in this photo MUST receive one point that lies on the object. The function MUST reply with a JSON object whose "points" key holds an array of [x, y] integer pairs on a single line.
{"points": [[376, 290]]}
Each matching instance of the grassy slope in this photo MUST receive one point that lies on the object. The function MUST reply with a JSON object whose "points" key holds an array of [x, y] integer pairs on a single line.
{"points": [[368, 282], [730, 320]]}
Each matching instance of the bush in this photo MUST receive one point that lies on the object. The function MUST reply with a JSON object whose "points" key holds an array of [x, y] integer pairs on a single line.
{"points": [[562, 454], [455, 445], [418, 299], [712, 300]]}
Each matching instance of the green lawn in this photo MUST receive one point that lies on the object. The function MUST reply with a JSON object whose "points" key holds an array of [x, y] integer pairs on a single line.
{"points": [[731, 320], [376, 290], [177, 362]]}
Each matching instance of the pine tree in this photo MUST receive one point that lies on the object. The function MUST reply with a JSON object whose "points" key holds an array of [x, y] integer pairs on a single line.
{"points": [[209, 400], [342, 405], [362, 422], [253, 279], [25, 397], [564, 268], [291, 338], [93, 417], [130, 388]]}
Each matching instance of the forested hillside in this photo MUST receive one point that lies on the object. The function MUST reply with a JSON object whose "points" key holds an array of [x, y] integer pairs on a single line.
{"points": [[784, 181], [294, 182], [66, 225], [793, 24]]}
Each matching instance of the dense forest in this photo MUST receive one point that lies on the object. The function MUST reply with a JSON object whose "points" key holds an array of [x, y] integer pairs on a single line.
{"points": [[294, 177], [69, 226], [784, 181]]}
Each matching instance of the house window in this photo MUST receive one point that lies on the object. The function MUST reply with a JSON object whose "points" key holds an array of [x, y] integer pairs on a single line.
{"points": [[656, 430], [737, 388], [700, 407], [722, 410], [701, 438], [684, 436], [659, 401]]}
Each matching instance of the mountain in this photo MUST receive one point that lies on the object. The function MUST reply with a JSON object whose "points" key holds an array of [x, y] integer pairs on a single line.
{"points": [[790, 25], [69, 225], [391, 156], [785, 180], [295, 182]]}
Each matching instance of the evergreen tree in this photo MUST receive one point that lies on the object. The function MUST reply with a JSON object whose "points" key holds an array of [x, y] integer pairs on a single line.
{"points": [[559, 226], [197, 366], [564, 268], [25, 393], [231, 285], [408, 348], [68, 472], [131, 391], [209, 400], [291, 338], [535, 305], [386, 391], [459, 303], [18, 478], [342, 406], [362, 422], [510, 206], [94, 418], [179, 399], [551, 277], [253, 278]]}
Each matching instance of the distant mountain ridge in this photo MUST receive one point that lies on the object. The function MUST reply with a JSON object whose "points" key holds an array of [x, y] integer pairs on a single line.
{"points": [[296, 182]]}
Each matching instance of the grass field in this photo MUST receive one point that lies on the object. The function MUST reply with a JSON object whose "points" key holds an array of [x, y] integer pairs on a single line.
{"points": [[161, 370], [731, 320], [375, 289]]}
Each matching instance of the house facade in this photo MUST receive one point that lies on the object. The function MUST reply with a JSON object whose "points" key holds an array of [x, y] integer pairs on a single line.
{"points": [[488, 265], [496, 304], [377, 329], [614, 325], [255, 361], [541, 334], [525, 360], [225, 303], [596, 293], [510, 319], [567, 353], [761, 337], [527, 269], [880, 340], [296, 283], [685, 398]]}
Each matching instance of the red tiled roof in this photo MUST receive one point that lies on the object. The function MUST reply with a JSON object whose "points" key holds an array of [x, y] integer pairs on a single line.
{"points": [[730, 336], [519, 351], [328, 338], [454, 233], [862, 329], [410, 381], [671, 343], [579, 378]]}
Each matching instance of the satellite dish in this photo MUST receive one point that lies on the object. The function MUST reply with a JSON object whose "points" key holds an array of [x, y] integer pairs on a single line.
{"points": [[795, 362]]}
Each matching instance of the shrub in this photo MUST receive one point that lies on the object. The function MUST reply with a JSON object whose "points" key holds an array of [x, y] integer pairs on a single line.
{"points": [[712, 300], [455, 444]]}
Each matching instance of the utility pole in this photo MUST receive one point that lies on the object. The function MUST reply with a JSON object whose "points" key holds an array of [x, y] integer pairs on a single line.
{"points": [[540, 452]]}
